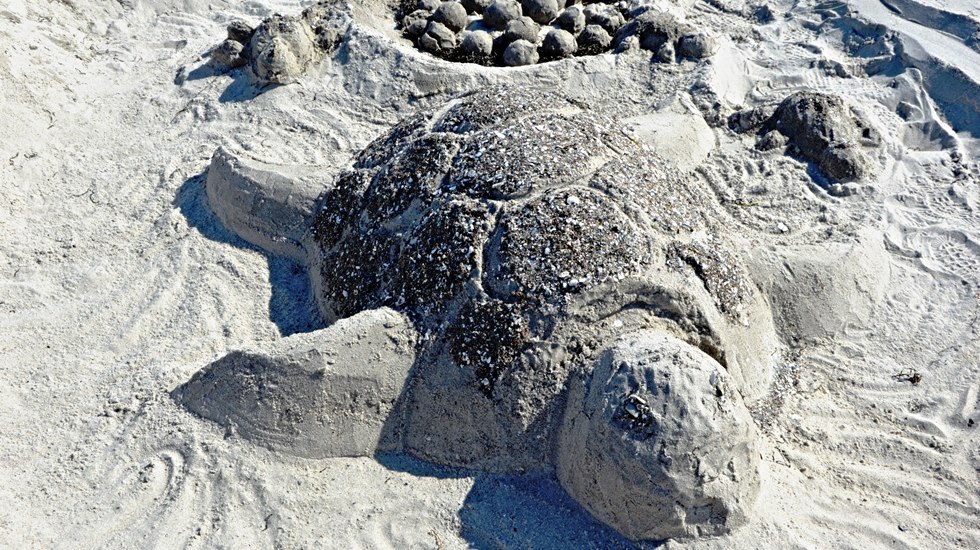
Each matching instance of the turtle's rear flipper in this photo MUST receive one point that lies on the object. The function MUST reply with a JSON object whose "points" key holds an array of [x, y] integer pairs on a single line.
{"points": [[333, 392], [264, 204]]}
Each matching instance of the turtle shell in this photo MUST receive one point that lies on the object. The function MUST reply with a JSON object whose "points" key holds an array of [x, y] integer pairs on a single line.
{"points": [[519, 230]]}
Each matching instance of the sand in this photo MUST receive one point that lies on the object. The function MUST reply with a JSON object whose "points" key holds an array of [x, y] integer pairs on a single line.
{"points": [[118, 283]]}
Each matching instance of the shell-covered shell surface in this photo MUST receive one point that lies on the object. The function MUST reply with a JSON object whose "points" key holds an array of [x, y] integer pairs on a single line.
{"points": [[520, 230]]}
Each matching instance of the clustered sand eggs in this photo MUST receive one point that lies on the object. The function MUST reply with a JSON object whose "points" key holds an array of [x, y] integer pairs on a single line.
{"points": [[524, 32]]}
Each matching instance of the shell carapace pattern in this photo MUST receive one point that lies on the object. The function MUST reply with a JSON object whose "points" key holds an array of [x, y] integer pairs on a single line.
{"points": [[497, 223]]}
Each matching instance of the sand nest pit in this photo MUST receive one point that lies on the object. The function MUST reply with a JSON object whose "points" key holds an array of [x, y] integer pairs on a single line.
{"points": [[506, 33], [496, 33], [515, 282], [525, 32]]}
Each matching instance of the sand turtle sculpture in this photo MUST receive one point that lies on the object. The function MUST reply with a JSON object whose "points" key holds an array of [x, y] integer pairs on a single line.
{"points": [[511, 283]]}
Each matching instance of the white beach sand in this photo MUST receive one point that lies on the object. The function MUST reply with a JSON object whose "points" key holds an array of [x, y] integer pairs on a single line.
{"points": [[117, 282]]}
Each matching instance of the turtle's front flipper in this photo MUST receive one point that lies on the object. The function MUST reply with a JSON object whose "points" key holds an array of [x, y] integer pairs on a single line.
{"points": [[677, 132], [264, 204], [820, 290], [333, 392]]}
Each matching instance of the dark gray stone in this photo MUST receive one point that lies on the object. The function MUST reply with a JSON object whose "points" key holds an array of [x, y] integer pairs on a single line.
{"points": [[607, 17], [541, 11], [415, 23], [571, 19], [452, 15], [476, 43], [559, 43], [521, 29], [594, 39], [438, 38], [500, 12], [520, 53], [475, 6]]}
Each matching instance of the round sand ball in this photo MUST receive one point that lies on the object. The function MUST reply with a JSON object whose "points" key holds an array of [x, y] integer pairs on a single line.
{"points": [[229, 53], [522, 28], [281, 48], [438, 38], [240, 32], [429, 5], [659, 444], [520, 53], [594, 39], [542, 11], [571, 19], [605, 16], [499, 12], [475, 6], [415, 23], [477, 43], [559, 44], [452, 15], [697, 45]]}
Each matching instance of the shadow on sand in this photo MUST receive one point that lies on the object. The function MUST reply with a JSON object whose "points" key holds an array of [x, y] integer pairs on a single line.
{"points": [[518, 511], [242, 87], [291, 307]]}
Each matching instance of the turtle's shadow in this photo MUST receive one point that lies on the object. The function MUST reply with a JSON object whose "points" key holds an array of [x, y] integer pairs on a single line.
{"points": [[531, 511], [518, 511], [291, 306]]}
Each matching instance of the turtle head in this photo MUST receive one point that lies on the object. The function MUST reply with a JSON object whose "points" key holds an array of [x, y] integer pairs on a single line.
{"points": [[657, 441]]}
